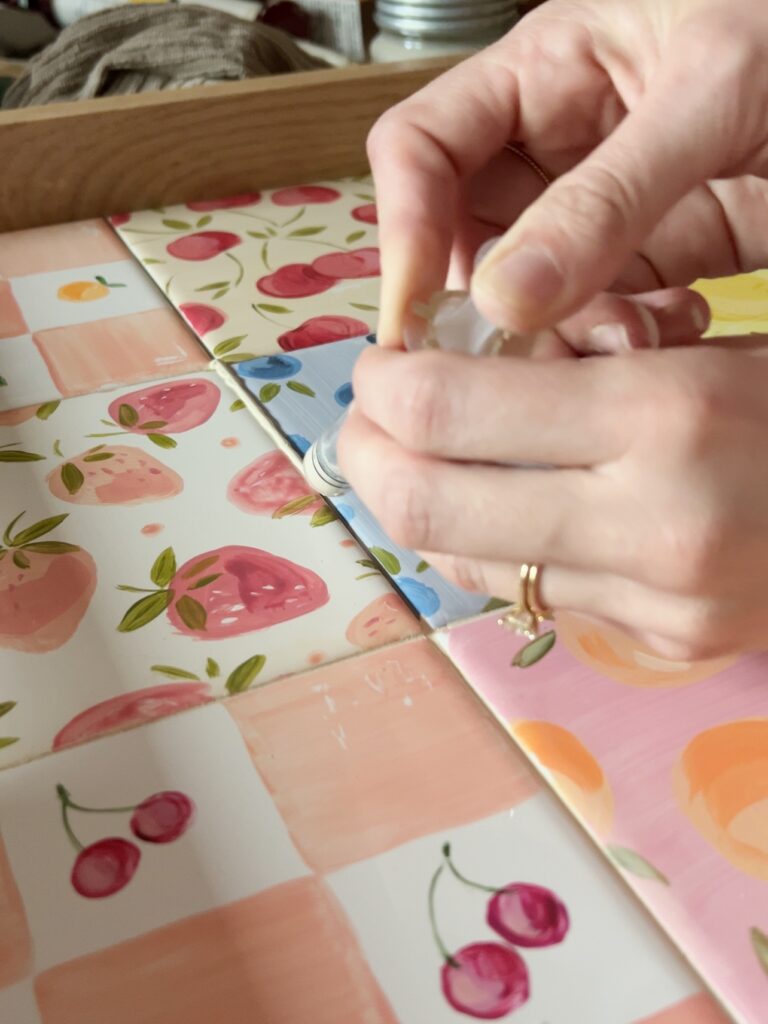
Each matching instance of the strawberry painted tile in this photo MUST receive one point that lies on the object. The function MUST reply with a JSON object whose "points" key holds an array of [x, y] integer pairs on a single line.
{"points": [[149, 563], [303, 394], [666, 763], [78, 314], [265, 272]]}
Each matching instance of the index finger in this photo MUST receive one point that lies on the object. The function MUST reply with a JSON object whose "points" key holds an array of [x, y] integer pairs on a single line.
{"points": [[421, 151]]}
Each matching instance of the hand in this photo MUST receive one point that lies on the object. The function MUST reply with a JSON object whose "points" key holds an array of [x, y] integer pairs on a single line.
{"points": [[654, 517], [650, 114]]}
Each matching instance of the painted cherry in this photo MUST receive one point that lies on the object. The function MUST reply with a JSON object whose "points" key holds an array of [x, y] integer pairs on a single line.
{"points": [[320, 330], [118, 219], [105, 867], [203, 245], [295, 281], [201, 318], [208, 205], [485, 980], [305, 194], [367, 214], [345, 265], [528, 915], [162, 817]]}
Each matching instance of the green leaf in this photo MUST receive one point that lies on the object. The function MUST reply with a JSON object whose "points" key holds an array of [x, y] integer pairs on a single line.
{"points": [[203, 221], [242, 677], [237, 405], [191, 613], [224, 347], [57, 449], [422, 566], [99, 457], [257, 234], [47, 409], [212, 287], [387, 559], [20, 560], [3, 382], [220, 293], [323, 516], [204, 581], [6, 741], [38, 530], [212, 669], [177, 225], [149, 262], [494, 604], [153, 425], [6, 706], [292, 508], [161, 440], [134, 590], [760, 946], [201, 566], [164, 568], [145, 610], [367, 575], [175, 673], [72, 477], [366, 196], [305, 232], [9, 528], [367, 563], [535, 650], [271, 232], [365, 306], [127, 415], [635, 864], [238, 357], [50, 547], [268, 392], [100, 279], [301, 389], [354, 237], [268, 307], [11, 455]]}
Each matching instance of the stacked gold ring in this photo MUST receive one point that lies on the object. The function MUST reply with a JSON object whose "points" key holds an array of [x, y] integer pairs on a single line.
{"points": [[528, 613]]}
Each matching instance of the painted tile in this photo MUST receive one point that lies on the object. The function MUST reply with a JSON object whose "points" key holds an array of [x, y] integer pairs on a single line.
{"points": [[161, 577], [305, 394], [369, 753], [700, 1009], [264, 272], [15, 938], [739, 305], [284, 956], [78, 314], [18, 1004], [177, 823], [667, 765], [586, 926]]}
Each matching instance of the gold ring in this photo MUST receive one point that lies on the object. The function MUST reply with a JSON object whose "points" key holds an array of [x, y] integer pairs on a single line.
{"points": [[528, 159], [527, 614]]}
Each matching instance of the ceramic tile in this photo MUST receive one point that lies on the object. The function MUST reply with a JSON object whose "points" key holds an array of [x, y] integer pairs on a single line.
{"points": [[739, 305], [305, 394], [265, 272], [78, 314], [666, 764], [182, 584], [18, 1004]]}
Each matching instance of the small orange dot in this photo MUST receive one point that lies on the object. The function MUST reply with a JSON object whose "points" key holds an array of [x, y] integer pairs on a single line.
{"points": [[316, 658], [347, 543], [152, 528], [230, 442]]}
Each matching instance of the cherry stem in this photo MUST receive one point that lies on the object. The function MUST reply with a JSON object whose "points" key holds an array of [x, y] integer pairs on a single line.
{"points": [[63, 796], [457, 874], [67, 800], [433, 920], [239, 265], [319, 241]]}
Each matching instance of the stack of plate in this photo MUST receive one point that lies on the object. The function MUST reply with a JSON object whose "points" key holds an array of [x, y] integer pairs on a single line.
{"points": [[446, 19]]}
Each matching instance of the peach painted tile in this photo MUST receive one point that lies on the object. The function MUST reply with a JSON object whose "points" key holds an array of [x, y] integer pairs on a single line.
{"points": [[12, 323], [700, 1009], [59, 248], [370, 753], [285, 956], [122, 350], [15, 939]]}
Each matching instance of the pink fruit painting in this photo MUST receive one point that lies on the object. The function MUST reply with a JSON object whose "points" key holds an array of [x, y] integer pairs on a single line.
{"points": [[226, 592], [295, 281], [527, 915], [485, 980], [346, 265], [162, 817], [202, 245], [105, 867], [113, 475], [269, 484], [320, 330], [201, 318], [172, 407], [209, 205], [45, 587], [367, 214], [130, 709], [305, 195], [385, 620]]}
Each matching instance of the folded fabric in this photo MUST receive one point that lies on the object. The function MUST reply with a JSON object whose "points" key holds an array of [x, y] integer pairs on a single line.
{"points": [[137, 48]]}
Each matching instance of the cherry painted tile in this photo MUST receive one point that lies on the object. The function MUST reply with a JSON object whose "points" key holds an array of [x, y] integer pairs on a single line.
{"points": [[144, 569], [265, 272]]}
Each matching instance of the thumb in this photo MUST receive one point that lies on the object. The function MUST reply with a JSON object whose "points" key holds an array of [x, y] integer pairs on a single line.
{"points": [[574, 241]]}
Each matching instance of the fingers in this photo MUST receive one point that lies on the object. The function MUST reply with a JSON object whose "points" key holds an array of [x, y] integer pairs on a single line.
{"points": [[429, 504], [564, 413]]}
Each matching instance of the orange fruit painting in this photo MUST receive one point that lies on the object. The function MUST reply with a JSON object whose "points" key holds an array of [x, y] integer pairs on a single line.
{"points": [[86, 291], [721, 782], [624, 659], [573, 771]]}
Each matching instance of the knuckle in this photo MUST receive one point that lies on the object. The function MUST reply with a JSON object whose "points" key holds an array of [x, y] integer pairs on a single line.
{"points": [[383, 135], [465, 573], [596, 200], [406, 508], [700, 630]]}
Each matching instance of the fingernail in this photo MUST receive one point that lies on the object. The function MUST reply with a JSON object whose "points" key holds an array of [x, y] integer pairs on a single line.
{"points": [[414, 333], [485, 250], [609, 338], [700, 318], [651, 327], [526, 278]]}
